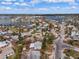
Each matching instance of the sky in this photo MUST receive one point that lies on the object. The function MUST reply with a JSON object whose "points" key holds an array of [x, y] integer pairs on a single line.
{"points": [[39, 6]]}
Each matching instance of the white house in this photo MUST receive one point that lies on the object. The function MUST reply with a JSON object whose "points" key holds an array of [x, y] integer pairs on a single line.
{"points": [[15, 37], [37, 45], [35, 53], [9, 31], [6, 50], [3, 44], [2, 33], [73, 33]]}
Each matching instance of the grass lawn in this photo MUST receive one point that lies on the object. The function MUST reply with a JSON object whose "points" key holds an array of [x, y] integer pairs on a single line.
{"points": [[11, 57], [18, 51], [72, 53], [73, 42]]}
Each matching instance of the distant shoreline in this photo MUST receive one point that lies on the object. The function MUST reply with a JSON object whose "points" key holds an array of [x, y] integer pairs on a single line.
{"points": [[38, 14]]}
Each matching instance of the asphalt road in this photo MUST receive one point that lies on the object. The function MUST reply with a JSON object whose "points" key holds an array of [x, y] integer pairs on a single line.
{"points": [[60, 45]]}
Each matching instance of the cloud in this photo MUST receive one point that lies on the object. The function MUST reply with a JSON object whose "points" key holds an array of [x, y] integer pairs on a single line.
{"points": [[55, 8], [74, 3], [60, 0], [70, 8], [8, 8], [21, 4], [6, 3], [17, 3], [52, 1], [64, 8], [21, 0], [34, 9], [10, 0], [24, 4], [74, 7], [5, 8], [42, 9], [35, 1]]}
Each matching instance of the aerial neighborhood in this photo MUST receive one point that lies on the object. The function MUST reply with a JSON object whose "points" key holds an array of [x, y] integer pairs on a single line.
{"points": [[39, 37]]}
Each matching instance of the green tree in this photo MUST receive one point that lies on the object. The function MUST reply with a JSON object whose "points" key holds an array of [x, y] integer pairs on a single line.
{"points": [[44, 43], [50, 37]]}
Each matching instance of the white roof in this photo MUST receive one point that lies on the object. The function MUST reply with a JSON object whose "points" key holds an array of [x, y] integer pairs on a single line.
{"points": [[15, 37], [73, 33], [77, 33], [76, 49], [26, 33], [36, 45], [3, 33], [2, 44], [32, 45], [9, 31]]}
